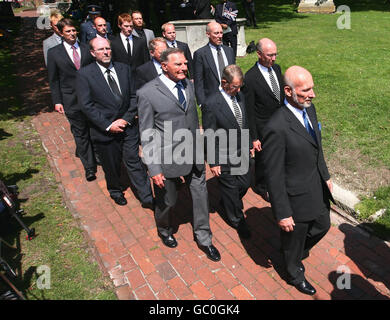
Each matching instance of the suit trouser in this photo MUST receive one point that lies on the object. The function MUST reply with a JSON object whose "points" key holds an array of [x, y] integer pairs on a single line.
{"points": [[166, 199], [297, 244], [260, 181], [233, 188], [84, 149], [125, 148], [250, 12], [230, 39]]}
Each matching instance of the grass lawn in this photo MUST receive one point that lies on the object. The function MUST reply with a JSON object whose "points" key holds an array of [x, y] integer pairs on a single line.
{"points": [[351, 74], [59, 244]]}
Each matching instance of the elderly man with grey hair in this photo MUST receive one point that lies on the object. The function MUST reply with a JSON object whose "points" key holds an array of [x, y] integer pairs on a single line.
{"points": [[297, 177], [151, 69], [225, 111]]}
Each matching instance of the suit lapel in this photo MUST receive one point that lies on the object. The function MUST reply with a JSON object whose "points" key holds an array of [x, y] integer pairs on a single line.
{"points": [[164, 90], [224, 108], [264, 83], [211, 62], [243, 110], [101, 81], [66, 58], [84, 54], [297, 126], [121, 77]]}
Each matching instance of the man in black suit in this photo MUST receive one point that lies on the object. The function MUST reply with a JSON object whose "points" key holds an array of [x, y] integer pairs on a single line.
{"points": [[225, 110], [107, 97], [263, 95], [127, 48], [151, 69], [226, 14], [169, 33], [100, 25], [298, 180], [63, 61], [209, 62]]}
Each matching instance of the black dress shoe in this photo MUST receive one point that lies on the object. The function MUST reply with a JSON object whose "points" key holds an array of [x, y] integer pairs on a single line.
{"points": [[243, 230], [119, 199], [211, 252], [148, 205], [305, 287], [169, 241], [90, 174]]}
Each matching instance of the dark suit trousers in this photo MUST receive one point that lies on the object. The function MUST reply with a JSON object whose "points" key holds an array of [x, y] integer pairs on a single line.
{"points": [[125, 149], [230, 39], [166, 199], [260, 182], [80, 130], [297, 244], [233, 188]]}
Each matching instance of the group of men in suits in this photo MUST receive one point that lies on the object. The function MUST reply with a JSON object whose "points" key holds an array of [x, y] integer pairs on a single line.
{"points": [[118, 94]]}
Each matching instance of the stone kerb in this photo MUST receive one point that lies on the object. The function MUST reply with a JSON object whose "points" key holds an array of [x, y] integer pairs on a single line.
{"points": [[193, 32], [316, 6]]}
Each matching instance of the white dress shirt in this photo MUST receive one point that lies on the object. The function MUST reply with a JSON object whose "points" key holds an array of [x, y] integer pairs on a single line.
{"points": [[157, 65], [171, 85], [229, 101], [298, 113], [69, 49], [215, 56], [124, 41], [265, 74]]}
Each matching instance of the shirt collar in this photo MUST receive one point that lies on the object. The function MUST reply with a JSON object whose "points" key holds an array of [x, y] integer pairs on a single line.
{"points": [[103, 69], [124, 37], [214, 47], [69, 47], [261, 67]]}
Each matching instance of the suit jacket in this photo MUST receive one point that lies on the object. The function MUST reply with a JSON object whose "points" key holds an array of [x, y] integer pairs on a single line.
{"points": [[206, 75], [216, 114], [88, 32], [98, 103], [48, 43], [62, 75], [260, 100], [140, 52], [231, 6], [202, 8], [295, 168], [187, 53], [149, 34], [157, 106], [145, 73]]}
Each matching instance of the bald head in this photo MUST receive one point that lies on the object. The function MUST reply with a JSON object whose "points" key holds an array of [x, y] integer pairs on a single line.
{"points": [[267, 52], [101, 49], [298, 87], [214, 33], [100, 25]]}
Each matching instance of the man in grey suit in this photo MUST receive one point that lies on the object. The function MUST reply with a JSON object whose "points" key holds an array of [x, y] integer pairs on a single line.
{"points": [[139, 30], [166, 109], [209, 62], [55, 38]]}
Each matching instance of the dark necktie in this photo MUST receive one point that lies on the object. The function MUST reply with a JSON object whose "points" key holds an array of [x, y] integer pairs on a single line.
{"points": [[221, 63], [237, 112], [114, 87], [180, 94], [128, 48], [76, 58], [275, 88], [309, 129]]}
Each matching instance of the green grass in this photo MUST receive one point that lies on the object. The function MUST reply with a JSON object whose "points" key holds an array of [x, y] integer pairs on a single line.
{"points": [[60, 244], [350, 70]]}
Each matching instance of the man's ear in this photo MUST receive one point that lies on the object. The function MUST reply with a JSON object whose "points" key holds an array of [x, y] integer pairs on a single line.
{"points": [[92, 53], [287, 91]]}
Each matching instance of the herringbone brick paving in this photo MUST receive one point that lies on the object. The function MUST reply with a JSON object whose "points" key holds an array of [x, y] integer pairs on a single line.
{"points": [[141, 267]]}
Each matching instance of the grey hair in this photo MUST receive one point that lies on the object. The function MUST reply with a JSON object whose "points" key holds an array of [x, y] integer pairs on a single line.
{"points": [[166, 53], [153, 43], [231, 71]]}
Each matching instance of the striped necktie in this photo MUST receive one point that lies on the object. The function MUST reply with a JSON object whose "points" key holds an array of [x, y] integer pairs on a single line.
{"points": [[76, 58], [237, 112], [274, 85]]}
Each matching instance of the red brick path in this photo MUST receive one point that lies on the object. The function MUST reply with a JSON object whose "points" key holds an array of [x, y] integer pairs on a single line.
{"points": [[127, 245]]}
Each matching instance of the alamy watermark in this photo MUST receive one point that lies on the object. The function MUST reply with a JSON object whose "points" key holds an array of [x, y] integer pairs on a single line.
{"points": [[344, 21], [183, 146]]}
